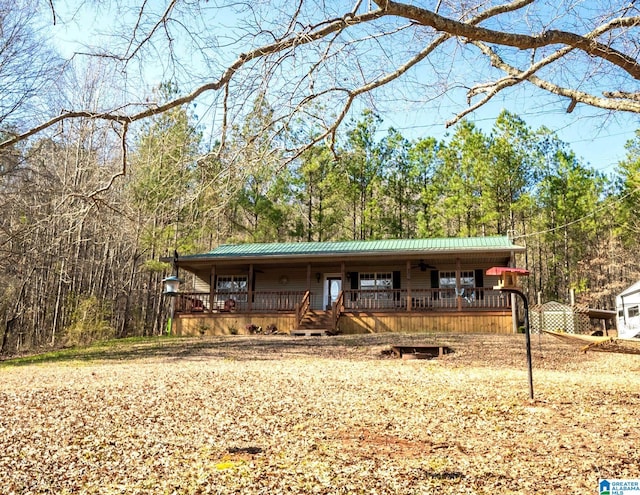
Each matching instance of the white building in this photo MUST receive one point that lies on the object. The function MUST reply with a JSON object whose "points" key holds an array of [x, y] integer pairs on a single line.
{"points": [[628, 308]]}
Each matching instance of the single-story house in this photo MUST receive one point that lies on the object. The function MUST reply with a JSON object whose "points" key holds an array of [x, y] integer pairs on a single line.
{"points": [[411, 285], [628, 308]]}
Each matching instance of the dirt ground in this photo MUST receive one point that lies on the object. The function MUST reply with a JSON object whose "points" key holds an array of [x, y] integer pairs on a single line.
{"points": [[328, 415]]}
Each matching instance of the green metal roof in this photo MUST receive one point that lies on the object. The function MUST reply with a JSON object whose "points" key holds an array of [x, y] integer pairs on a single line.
{"points": [[361, 247]]}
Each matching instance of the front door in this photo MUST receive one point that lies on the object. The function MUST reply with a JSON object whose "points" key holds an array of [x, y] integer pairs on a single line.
{"points": [[334, 286]]}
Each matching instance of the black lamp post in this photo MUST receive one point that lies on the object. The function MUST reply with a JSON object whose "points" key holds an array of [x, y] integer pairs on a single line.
{"points": [[527, 334], [508, 284], [171, 289]]}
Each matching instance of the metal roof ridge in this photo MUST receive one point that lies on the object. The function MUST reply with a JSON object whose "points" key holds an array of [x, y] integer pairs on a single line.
{"points": [[379, 246], [366, 241]]}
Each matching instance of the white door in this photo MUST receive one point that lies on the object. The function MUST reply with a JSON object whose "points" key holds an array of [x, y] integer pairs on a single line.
{"points": [[333, 287]]}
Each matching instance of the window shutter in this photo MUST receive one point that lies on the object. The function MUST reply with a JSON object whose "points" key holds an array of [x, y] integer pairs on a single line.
{"points": [[396, 280], [253, 287], [479, 276], [355, 284], [396, 285], [435, 282]]}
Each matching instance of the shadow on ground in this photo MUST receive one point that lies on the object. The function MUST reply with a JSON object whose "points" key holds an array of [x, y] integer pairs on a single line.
{"points": [[468, 349]]}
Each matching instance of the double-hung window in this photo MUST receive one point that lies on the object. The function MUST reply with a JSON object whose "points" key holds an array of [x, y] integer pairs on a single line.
{"points": [[376, 285], [448, 283], [232, 287]]}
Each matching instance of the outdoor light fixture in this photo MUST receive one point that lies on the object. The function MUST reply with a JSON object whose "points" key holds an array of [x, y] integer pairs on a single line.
{"points": [[508, 282], [171, 285], [318, 276]]}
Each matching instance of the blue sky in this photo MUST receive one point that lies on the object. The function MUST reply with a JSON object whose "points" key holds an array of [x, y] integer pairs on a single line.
{"points": [[594, 135]]}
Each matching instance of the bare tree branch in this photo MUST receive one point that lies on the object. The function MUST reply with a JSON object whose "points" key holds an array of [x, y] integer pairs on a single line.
{"points": [[493, 88], [622, 94], [123, 171], [523, 41], [243, 59], [53, 12], [163, 19], [573, 94], [310, 60]]}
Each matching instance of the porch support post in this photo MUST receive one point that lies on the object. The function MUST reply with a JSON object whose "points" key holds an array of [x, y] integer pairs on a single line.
{"points": [[343, 275], [250, 288], [212, 289], [458, 285], [309, 277], [514, 312], [408, 285]]}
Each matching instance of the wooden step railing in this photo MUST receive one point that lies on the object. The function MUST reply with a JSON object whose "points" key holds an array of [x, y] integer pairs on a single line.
{"points": [[336, 310], [302, 308]]}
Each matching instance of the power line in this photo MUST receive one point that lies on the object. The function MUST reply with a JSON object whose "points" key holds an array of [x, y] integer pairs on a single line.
{"points": [[573, 222]]}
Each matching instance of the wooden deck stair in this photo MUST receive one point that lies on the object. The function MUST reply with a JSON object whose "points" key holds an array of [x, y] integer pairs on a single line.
{"points": [[314, 323]]}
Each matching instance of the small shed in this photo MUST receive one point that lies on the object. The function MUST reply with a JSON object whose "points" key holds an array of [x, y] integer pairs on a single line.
{"points": [[554, 316], [628, 310]]}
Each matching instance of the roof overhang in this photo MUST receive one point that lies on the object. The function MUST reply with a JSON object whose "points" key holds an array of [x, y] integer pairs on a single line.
{"points": [[630, 291], [601, 314], [432, 251]]}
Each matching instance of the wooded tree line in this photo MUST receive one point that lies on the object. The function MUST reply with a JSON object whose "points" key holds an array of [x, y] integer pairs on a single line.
{"points": [[81, 260], [100, 179]]}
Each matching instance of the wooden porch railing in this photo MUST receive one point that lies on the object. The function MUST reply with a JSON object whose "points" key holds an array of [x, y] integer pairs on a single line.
{"points": [[286, 301], [263, 301], [298, 302], [302, 308], [336, 310], [192, 302], [425, 299]]}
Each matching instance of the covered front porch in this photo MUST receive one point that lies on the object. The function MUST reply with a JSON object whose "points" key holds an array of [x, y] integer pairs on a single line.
{"points": [[478, 309], [333, 285]]}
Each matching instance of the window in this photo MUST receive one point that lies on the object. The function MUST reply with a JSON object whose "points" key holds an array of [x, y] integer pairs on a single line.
{"points": [[376, 285], [448, 281], [633, 311], [232, 286]]}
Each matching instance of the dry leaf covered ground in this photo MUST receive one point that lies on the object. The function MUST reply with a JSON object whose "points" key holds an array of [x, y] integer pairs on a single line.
{"points": [[269, 415]]}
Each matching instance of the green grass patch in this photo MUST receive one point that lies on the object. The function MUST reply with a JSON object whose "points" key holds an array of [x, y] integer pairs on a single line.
{"points": [[108, 350]]}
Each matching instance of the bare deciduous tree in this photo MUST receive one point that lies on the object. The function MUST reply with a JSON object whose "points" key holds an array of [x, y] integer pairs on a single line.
{"points": [[314, 60], [28, 66]]}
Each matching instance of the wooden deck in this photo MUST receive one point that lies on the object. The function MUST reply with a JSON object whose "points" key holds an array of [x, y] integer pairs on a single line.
{"points": [[480, 310], [232, 323]]}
